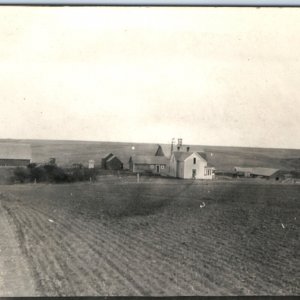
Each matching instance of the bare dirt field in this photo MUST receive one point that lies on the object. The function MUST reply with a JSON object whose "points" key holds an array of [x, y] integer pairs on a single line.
{"points": [[158, 237]]}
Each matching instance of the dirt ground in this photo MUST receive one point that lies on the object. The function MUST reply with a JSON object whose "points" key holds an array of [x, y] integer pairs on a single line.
{"points": [[15, 276], [161, 237]]}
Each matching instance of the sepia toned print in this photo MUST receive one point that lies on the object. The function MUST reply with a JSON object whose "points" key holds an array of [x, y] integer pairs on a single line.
{"points": [[149, 151]]}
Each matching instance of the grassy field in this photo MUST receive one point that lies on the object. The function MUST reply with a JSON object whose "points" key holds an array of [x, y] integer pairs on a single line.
{"points": [[223, 158], [158, 237]]}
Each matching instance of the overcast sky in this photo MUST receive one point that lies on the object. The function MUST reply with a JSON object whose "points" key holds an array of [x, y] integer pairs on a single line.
{"points": [[212, 76]]}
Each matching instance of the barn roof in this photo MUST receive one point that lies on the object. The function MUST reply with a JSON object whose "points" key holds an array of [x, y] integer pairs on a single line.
{"points": [[150, 160], [112, 157], [257, 171], [15, 151], [163, 150], [108, 155]]}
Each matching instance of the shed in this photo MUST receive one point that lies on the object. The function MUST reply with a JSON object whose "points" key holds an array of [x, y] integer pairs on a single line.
{"points": [[91, 164]]}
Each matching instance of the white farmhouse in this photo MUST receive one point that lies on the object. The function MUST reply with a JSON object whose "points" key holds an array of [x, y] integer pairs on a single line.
{"points": [[190, 165]]}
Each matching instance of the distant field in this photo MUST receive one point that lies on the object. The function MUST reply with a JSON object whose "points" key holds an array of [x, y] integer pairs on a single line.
{"points": [[223, 158], [122, 238]]}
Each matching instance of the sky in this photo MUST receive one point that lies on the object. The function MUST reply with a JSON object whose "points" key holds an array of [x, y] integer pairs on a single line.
{"points": [[212, 76]]}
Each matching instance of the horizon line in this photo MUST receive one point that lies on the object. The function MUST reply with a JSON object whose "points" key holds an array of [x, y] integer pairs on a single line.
{"points": [[151, 143]]}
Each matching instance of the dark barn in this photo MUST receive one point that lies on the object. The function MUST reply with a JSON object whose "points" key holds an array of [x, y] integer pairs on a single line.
{"points": [[14, 155], [104, 159], [111, 162]]}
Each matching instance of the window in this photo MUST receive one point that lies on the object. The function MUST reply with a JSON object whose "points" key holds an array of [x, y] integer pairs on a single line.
{"points": [[207, 172], [162, 166], [194, 160]]}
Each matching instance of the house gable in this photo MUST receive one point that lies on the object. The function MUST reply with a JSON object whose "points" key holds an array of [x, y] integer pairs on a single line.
{"points": [[183, 156], [197, 155]]}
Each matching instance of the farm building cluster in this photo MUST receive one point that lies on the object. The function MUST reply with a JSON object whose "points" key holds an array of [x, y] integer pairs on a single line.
{"points": [[173, 160]]}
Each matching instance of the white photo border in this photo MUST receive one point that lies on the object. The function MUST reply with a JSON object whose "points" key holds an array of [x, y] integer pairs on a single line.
{"points": [[246, 3]]}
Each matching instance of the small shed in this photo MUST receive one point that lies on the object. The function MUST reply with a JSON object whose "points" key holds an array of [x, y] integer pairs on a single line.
{"points": [[91, 164]]}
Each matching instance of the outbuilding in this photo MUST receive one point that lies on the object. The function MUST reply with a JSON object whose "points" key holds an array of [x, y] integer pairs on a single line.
{"points": [[256, 172], [15, 154], [111, 162], [158, 165]]}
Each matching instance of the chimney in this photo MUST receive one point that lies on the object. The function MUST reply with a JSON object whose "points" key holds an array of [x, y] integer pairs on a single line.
{"points": [[172, 145], [187, 148], [179, 144]]}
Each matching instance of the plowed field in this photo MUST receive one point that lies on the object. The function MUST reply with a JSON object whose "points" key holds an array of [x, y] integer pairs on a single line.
{"points": [[164, 237]]}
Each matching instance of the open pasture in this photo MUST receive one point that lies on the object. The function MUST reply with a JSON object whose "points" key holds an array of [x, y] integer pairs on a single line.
{"points": [[159, 237]]}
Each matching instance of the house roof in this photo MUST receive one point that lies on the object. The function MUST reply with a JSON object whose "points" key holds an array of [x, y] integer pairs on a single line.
{"points": [[149, 160], [257, 171], [202, 154], [15, 151], [209, 165], [183, 155]]}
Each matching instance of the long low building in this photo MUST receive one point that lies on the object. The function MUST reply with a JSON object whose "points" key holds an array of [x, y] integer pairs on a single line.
{"points": [[15, 155], [256, 172], [149, 164]]}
